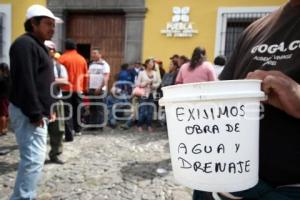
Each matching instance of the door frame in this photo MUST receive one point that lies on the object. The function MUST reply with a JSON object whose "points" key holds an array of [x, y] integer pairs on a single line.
{"points": [[134, 21]]}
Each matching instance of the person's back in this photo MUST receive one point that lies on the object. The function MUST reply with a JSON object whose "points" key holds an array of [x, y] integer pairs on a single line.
{"points": [[76, 67], [124, 75], [201, 73], [124, 81], [197, 70]]}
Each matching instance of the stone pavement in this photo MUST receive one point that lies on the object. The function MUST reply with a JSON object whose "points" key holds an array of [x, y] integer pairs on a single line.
{"points": [[112, 164]]}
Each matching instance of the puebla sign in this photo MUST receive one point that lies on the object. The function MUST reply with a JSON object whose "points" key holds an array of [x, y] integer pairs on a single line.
{"points": [[180, 26]]}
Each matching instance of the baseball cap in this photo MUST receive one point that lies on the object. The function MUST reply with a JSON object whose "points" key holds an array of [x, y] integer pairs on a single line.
{"points": [[50, 44], [39, 11]]}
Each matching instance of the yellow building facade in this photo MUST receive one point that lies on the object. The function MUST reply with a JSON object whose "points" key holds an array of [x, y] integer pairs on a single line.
{"points": [[18, 10], [208, 19], [205, 17]]}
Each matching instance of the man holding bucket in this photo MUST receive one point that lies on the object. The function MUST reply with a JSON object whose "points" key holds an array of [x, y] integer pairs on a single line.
{"points": [[275, 37]]}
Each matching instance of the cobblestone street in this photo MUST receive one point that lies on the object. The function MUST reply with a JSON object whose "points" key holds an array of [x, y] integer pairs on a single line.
{"points": [[112, 164]]}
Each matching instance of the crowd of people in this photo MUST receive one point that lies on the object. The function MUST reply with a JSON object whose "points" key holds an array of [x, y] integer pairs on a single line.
{"points": [[43, 92]]}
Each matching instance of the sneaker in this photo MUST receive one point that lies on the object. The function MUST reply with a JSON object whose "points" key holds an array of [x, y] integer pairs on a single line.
{"points": [[150, 129], [125, 127], [140, 129], [77, 134]]}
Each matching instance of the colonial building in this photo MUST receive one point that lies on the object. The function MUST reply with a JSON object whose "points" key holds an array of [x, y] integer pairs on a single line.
{"points": [[131, 30]]}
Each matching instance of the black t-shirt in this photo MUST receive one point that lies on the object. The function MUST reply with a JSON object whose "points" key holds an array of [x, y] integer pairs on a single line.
{"points": [[273, 43], [31, 73]]}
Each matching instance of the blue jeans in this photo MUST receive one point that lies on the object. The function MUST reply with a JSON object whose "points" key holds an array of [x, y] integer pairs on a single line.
{"points": [[32, 142], [146, 109]]}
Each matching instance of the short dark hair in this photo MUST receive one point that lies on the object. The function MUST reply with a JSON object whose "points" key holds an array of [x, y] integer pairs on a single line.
{"points": [[70, 44], [220, 60], [124, 66], [96, 49], [184, 58], [174, 56], [28, 23]]}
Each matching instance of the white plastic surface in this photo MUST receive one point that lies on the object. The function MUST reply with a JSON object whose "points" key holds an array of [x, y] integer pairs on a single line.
{"points": [[214, 139]]}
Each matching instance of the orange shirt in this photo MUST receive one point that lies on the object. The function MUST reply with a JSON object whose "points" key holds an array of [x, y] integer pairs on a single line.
{"points": [[76, 67]]}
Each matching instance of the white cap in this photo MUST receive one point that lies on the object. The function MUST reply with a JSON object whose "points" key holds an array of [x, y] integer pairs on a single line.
{"points": [[39, 10], [50, 44]]}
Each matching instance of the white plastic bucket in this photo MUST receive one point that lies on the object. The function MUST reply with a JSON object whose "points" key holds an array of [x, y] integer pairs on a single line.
{"points": [[213, 130]]}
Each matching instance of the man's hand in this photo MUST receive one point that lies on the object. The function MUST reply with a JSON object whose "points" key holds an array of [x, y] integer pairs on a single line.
{"points": [[283, 92], [98, 91], [52, 117]]}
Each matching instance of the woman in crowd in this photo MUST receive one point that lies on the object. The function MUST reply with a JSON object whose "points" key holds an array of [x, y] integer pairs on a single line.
{"points": [[197, 70], [169, 78], [149, 81]]}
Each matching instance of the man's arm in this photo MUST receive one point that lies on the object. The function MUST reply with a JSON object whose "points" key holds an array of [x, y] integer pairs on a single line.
{"points": [[63, 79], [106, 79]]}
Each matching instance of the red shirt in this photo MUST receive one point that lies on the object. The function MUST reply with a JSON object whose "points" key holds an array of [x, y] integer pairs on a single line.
{"points": [[76, 67]]}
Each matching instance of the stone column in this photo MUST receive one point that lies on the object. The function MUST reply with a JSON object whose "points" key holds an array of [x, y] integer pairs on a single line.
{"points": [[134, 34]]}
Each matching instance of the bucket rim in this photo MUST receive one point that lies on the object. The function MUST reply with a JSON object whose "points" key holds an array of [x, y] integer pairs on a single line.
{"points": [[213, 82], [258, 96]]}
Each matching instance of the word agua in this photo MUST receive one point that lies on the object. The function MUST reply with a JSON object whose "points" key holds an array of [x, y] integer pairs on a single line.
{"points": [[199, 149], [192, 114]]}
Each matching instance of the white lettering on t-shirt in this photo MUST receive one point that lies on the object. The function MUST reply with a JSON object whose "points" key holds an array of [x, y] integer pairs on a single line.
{"points": [[274, 48], [273, 53]]}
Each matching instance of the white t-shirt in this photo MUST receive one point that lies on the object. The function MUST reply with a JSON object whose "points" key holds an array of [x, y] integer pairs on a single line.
{"points": [[63, 74], [218, 69], [96, 73]]}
